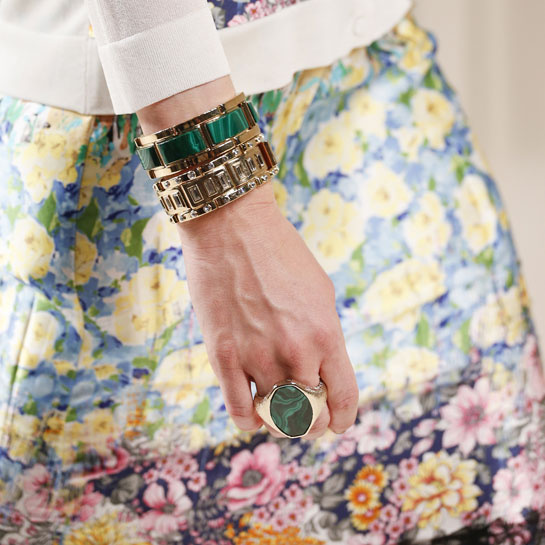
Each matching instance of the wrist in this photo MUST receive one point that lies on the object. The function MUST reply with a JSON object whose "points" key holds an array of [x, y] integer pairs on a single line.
{"points": [[185, 105], [243, 216]]}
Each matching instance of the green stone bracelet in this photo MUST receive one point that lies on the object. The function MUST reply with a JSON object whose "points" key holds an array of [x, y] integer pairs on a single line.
{"points": [[201, 137]]}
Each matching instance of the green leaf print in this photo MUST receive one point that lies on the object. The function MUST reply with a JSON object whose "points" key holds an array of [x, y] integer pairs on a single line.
{"points": [[71, 415], [405, 98], [151, 364], [460, 167], [424, 336], [432, 81], [89, 222], [153, 427], [431, 184], [301, 173], [47, 215], [271, 100], [162, 341], [13, 212], [132, 238], [132, 200], [30, 407], [202, 412], [486, 257], [357, 260], [44, 304], [461, 337]]}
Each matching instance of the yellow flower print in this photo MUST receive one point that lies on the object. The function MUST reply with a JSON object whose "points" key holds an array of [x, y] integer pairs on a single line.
{"points": [[500, 319], [289, 117], [500, 376], [280, 194], [53, 151], [434, 115], [410, 141], [362, 496], [183, 375], [333, 147], [100, 425], [409, 367], [419, 46], [261, 535], [385, 194], [30, 249], [361, 521], [159, 233], [18, 432], [374, 475], [41, 334], [477, 214], [105, 370], [332, 229], [405, 286], [105, 530], [443, 484], [366, 114], [426, 230], [85, 255], [151, 300], [357, 63]]}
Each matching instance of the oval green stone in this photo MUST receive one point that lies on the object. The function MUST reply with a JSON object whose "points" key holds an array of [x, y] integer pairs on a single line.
{"points": [[291, 411]]}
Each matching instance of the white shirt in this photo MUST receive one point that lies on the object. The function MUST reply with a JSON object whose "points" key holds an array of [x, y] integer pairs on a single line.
{"points": [[142, 51]]}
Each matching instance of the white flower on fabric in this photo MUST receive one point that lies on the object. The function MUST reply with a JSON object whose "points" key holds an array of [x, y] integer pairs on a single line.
{"points": [[476, 213], [426, 230], [501, 319], [332, 229], [333, 147], [30, 249], [385, 193], [366, 114], [409, 367], [434, 115]]}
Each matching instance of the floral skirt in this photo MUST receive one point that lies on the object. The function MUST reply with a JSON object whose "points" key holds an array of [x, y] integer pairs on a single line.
{"points": [[113, 426]]}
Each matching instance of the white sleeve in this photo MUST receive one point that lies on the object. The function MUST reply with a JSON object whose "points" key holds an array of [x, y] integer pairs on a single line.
{"points": [[153, 49]]}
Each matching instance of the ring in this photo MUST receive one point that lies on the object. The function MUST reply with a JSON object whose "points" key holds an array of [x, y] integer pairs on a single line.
{"points": [[291, 408]]}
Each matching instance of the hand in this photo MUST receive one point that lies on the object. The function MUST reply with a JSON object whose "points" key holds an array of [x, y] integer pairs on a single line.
{"points": [[266, 309]]}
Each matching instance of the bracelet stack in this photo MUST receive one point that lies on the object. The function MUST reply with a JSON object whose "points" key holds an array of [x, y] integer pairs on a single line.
{"points": [[218, 156]]}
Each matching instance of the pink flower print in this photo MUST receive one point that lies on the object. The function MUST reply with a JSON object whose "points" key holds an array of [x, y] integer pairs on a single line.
{"points": [[293, 493], [422, 446], [197, 482], [36, 480], [305, 476], [470, 417], [395, 529], [261, 515], [167, 510], [324, 471], [408, 466], [388, 513], [277, 504], [88, 502], [375, 432], [238, 20], [345, 448], [513, 494], [534, 369], [36, 499], [188, 467], [425, 427], [280, 522], [408, 519], [255, 478]]}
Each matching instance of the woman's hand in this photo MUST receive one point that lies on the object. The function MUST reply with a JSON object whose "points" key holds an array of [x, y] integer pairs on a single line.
{"points": [[265, 306], [266, 309]]}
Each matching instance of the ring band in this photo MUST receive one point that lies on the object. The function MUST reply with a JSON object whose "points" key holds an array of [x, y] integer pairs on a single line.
{"points": [[291, 408]]}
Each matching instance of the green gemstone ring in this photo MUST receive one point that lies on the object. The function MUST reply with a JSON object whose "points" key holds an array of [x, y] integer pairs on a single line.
{"points": [[291, 408]]}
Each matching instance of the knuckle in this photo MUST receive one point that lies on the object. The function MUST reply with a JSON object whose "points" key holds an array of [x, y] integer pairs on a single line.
{"points": [[226, 355], [294, 353], [324, 337], [346, 400]]}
